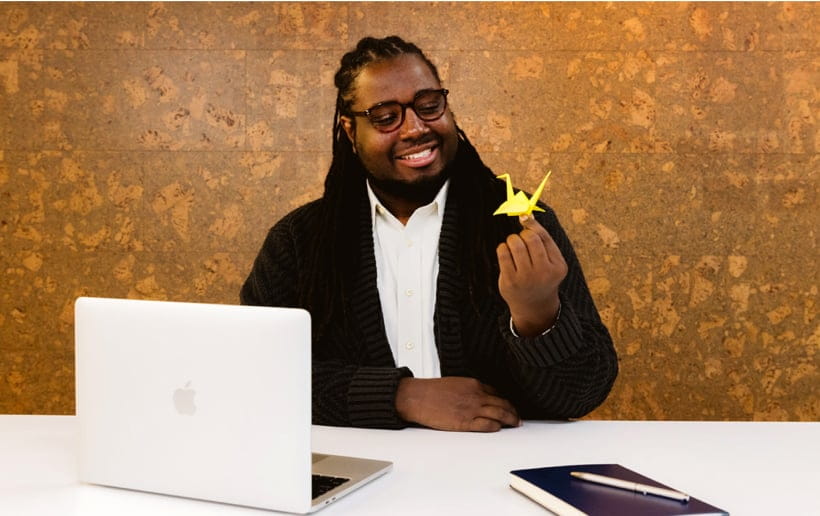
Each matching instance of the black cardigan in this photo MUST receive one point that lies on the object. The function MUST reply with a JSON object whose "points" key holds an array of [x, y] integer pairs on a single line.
{"points": [[564, 374]]}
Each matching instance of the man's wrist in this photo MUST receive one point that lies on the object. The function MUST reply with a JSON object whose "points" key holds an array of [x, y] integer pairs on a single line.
{"points": [[406, 398], [545, 332]]}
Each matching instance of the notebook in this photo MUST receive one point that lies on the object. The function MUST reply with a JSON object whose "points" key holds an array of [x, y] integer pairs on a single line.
{"points": [[203, 401], [555, 489]]}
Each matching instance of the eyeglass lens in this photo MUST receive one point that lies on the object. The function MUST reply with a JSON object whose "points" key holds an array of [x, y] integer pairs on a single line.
{"points": [[428, 105]]}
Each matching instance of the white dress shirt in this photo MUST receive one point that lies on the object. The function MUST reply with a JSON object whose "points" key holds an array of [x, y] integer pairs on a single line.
{"points": [[407, 269]]}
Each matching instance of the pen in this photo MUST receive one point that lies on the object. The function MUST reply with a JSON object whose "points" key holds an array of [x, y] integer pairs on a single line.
{"points": [[631, 486]]}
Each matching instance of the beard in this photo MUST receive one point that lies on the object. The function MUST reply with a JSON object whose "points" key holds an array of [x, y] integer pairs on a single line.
{"points": [[422, 190]]}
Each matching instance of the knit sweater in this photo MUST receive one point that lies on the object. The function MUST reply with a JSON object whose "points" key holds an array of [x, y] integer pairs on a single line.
{"points": [[563, 374]]}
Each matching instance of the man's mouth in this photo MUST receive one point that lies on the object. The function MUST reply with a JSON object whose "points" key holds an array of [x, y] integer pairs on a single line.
{"points": [[420, 158], [418, 155]]}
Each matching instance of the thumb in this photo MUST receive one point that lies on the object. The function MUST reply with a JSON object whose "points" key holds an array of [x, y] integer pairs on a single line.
{"points": [[527, 220]]}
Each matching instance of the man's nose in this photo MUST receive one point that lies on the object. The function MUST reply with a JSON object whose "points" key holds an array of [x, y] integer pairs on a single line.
{"points": [[412, 126]]}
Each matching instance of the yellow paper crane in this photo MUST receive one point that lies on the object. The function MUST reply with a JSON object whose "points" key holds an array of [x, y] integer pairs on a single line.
{"points": [[519, 204]]}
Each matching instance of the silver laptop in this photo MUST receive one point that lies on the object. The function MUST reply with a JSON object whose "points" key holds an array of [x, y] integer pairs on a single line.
{"points": [[203, 401]]}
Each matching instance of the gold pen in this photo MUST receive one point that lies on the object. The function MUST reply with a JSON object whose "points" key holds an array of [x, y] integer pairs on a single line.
{"points": [[631, 486]]}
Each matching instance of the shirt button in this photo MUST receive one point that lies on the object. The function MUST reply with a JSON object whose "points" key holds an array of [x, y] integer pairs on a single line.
{"points": [[409, 243], [409, 292], [409, 345]]}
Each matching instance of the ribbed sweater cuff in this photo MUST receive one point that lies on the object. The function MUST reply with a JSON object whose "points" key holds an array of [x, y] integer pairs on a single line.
{"points": [[560, 343], [371, 399]]}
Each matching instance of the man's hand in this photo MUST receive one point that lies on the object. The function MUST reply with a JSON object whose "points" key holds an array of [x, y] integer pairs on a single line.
{"points": [[532, 268], [454, 403]]}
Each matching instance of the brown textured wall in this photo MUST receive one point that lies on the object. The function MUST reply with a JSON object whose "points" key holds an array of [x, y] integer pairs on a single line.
{"points": [[146, 148]]}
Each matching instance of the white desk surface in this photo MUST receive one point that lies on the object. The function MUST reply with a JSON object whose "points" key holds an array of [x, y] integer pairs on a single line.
{"points": [[745, 468]]}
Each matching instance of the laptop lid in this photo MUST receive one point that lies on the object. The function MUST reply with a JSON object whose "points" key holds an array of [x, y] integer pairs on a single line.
{"points": [[196, 400]]}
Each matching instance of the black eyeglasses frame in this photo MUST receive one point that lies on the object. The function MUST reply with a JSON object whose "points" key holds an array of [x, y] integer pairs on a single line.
{"points": [[412, 105]]}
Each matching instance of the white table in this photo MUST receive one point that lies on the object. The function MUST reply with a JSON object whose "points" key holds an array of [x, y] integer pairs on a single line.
{"points": [[745, 468]]}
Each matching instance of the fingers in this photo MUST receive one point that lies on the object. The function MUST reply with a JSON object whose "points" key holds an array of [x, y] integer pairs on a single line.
{"points": [[492, 418], [493, 402], [530, 251], [506, 263], [530, 224], [554, 254], [481, 424], [488, 424], [526, 250], [497, 408], [502, 415], [520, 252]]}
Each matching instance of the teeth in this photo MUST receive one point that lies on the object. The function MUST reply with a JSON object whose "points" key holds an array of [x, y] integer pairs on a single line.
{"points": [[422, 154]]}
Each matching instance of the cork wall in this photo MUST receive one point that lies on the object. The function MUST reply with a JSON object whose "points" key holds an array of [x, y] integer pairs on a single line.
{"points": [[145, 149]]}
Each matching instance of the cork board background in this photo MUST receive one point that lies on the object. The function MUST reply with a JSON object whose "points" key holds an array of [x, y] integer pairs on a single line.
{"points": [[146, 148]]}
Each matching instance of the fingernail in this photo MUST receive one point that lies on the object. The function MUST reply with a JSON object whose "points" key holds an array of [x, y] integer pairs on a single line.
{"points": [[523, 218]]}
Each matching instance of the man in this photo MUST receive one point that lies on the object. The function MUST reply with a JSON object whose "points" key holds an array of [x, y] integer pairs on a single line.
{"points": [[427, 309]]}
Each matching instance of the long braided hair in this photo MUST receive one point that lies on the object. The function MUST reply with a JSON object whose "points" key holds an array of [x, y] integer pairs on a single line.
{"points": [[334, 253]]}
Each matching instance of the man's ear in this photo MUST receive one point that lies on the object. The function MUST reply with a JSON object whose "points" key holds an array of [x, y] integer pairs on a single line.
{"points": [[349, 125]]}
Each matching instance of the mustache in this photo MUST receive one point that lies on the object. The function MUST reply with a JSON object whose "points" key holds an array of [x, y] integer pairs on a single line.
{"points": [[424, 140]]}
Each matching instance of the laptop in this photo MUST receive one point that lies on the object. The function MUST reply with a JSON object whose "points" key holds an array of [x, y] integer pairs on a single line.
{"points": [[204, 401]]}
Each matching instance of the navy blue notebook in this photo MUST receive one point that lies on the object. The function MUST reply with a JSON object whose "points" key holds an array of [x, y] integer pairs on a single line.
{"points": [[562, 494]]}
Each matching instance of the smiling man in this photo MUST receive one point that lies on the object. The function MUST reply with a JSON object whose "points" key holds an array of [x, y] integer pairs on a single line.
{"points": [[404, 157], [427, 309]]}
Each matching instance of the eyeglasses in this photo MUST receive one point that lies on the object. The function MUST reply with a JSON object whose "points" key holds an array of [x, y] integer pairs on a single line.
{"points": [[428, 105]]}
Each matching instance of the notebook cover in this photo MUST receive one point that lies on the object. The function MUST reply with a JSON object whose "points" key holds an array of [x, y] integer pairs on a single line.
{"points": [[595, 499]]}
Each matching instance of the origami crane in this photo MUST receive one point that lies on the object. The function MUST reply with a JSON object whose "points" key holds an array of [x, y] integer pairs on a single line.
{"points": [[519, 204]]}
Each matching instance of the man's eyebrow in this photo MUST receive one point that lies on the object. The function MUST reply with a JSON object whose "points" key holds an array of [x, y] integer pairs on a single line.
{"points": [[400, 102]]}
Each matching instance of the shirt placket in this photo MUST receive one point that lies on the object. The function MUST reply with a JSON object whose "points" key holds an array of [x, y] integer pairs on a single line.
{"points": [[409, 303]]}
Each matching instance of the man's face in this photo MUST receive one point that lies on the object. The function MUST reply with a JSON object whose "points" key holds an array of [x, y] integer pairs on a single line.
{"points": [[417, 152]]}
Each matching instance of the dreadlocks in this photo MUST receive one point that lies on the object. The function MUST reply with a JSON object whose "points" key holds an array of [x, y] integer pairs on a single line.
{"points": [[333, 256]]}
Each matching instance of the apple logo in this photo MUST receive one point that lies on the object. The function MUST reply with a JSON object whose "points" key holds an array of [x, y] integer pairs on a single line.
{"points": [[184, 400]]}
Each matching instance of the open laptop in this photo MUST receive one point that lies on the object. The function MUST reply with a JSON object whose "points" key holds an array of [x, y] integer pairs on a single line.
{"points": [[203, 401]]}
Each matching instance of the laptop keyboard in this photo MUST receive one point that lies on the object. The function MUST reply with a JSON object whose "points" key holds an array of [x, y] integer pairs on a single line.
{"points": [[322, 484]]}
